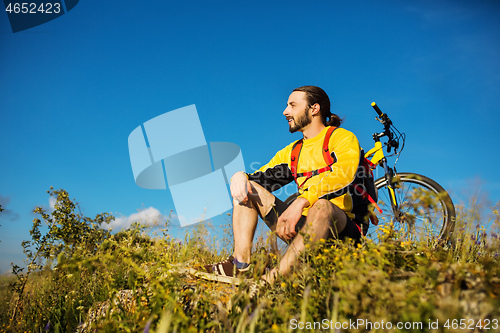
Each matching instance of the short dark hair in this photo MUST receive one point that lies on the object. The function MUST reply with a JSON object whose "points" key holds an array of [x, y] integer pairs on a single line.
{"points": [[317, 95]]}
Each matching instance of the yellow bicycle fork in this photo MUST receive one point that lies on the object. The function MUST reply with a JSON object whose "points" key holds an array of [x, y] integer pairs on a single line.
{"points": [[377, 154]]}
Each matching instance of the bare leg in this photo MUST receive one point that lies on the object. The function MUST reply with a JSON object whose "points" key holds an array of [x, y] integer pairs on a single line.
{"points": [[323, 218], [245, 217]]}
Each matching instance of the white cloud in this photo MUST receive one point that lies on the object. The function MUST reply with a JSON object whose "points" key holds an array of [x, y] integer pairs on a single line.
{"points": [[150, 216], [52, 203]]}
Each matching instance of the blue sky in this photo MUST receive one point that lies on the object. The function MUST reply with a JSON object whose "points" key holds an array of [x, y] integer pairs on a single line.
{"points": [[73, 89]]}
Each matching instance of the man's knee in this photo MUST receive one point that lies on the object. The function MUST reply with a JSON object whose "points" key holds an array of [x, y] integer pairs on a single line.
{"points": [[258, 189], [254, 186], [260, 199], [236, 203], [322, 207], [326, 212]]}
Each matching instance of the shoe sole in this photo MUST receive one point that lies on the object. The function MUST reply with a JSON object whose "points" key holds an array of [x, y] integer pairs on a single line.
{"points": [[214, 277], [254, 285], [206, 276]]}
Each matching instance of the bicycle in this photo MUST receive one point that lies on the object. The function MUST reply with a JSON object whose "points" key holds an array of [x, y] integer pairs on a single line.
{"points": [[414, 206]]}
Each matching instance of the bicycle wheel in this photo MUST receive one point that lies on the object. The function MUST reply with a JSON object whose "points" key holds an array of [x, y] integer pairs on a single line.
{"points": [[426, 211]]}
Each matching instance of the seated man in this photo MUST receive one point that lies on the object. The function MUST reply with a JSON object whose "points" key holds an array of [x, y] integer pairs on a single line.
{"points": [[328, 205]]}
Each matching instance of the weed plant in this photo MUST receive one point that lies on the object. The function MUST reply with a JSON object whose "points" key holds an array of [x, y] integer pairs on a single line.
{"points": [[133, 282]]}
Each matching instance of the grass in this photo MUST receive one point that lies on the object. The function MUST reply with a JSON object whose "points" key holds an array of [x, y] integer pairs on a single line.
{"points": [[131, 279]]}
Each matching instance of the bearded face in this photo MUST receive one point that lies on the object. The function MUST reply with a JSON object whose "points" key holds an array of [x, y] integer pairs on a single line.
{"points": [[300, 121]]}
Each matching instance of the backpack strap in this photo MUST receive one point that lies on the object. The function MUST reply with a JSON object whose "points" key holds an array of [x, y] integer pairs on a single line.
{"points": [[326, 151], [297, 147], [365, 194], [326, 156]]}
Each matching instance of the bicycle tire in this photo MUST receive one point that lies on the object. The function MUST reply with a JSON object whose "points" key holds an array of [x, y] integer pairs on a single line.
{"points": [[427, 211]]}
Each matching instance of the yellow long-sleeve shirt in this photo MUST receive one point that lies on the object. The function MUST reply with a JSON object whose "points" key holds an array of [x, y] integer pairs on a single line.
{"points": [[334, 185]]}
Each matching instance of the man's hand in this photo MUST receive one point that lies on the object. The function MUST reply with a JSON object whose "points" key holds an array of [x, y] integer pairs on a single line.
{"points": [[240, 187], [287, 221]]}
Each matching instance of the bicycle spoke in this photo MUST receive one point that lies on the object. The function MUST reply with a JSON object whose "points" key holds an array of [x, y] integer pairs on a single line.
{"points": [[423, 208]]}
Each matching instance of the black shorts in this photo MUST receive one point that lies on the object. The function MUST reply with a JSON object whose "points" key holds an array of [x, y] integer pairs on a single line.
{"points": [[351, 229]]}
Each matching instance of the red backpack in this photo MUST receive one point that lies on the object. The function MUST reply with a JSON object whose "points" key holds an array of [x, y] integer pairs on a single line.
{"points": [[367, 191]]}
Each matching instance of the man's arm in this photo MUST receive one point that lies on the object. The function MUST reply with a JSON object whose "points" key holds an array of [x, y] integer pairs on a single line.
{"points": [[287, 221], [276, 173], [271, 176]]}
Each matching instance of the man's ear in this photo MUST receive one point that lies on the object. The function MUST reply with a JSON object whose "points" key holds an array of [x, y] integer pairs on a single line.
{"points": [[315, 109]]}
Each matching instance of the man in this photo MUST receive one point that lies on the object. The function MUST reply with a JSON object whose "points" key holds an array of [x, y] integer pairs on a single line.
{"points": [[327, 206]]}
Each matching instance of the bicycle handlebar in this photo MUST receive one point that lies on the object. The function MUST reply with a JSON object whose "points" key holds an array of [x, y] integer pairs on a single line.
{"points": [[375, 106], [384, 118], [393, 137]]}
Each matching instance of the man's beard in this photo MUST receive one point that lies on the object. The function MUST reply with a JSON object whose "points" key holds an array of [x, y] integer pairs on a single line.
{"points": [[302, 121]]}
